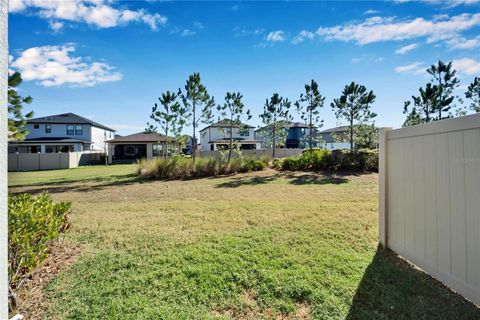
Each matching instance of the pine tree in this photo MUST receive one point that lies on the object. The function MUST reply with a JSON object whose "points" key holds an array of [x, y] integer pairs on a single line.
{"points": [[275, 111], [17, 121], [446, 81], [354, 106], [309, 106], [424, 108], [473, 93], [233, 110], [196, 99], [171, 117]]}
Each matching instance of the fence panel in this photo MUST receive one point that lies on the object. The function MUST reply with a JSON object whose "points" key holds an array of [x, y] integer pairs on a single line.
{"points": [[50, 161], [430, 199]]}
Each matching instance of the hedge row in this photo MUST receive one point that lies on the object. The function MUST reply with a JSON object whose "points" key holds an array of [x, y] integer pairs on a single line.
{"points": [[336, 160]]}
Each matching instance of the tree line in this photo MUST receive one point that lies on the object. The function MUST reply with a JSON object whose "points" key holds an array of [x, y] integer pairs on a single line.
{"points": [[193, 106], [436, 100]]}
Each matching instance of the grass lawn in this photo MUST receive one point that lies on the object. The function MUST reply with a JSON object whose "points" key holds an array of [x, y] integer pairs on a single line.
{"points": [[265, 245]]}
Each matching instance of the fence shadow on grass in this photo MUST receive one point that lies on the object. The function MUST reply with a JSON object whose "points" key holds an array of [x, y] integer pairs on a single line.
{"points": [[309, 178], [391, 288]]}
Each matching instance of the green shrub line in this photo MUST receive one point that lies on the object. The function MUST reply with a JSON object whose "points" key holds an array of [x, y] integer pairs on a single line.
{"points": [[337, 160], [184, 168], [33, 223]]}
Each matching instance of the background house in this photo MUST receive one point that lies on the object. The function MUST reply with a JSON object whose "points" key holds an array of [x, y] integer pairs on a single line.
{"points": [[217, 136], [127, 149], [65, 132], [291, 135], [334, 138]]}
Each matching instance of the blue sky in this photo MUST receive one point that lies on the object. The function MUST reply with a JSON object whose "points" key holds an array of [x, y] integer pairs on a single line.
{"points": [[110, 60]]}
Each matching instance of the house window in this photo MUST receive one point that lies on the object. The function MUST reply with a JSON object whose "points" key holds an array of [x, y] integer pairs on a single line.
{"points": [[244, 132], [36, 126], [78, 130], [70, 130], [48, 128], [157, 150]]}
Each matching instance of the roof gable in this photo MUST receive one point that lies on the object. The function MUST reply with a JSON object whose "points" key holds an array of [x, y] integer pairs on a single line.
{"points": [[226, 123]]}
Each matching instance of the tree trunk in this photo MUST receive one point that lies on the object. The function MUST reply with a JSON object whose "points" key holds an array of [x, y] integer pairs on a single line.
{"points": [[351, 135], [310, 125], [231, 142], [194, 142], [274, 137]]}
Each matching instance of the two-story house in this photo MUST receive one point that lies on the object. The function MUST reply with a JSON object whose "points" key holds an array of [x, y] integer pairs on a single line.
{"points": [[65, 132], [217, 136], [292, 135]]}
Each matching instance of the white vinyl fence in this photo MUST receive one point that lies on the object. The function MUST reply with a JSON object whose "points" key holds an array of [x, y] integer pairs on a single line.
{"points": [[430, 199], [50, 161]]}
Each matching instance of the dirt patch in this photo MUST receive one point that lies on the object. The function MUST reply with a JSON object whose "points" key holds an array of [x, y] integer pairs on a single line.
{"points": [[31, 299]]}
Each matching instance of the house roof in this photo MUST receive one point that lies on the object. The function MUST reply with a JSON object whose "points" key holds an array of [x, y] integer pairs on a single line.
{"points": [[226, 123], [68, 118], [286, 124], [336, 129], [141, 137], [236, 140]]}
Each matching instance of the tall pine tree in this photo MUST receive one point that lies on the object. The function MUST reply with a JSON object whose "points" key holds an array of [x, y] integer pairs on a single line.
{"points": [[275, 112], [16, 120]]}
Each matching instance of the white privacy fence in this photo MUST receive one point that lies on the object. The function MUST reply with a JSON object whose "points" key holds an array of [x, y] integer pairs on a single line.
{"points": [[430, 199], [50, 161]]}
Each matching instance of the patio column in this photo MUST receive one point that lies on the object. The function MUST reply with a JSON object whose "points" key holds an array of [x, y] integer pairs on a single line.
{"points": [[42, 148]]}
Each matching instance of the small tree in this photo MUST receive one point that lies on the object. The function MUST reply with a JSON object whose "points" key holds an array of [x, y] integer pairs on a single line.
{"points": [[444, 77], [424, 108], [309, 108], [171, 118], [233, 110], [16, 120], [473, 93], [275, 111], [196, 97], [366, 136], [354, 106]]}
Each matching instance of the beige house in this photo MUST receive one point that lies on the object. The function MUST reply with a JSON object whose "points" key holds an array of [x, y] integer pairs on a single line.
{"points": [[140, 145]]}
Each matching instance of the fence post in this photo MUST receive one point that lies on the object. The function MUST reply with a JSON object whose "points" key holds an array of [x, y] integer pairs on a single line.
{"points": [[382, 185]]}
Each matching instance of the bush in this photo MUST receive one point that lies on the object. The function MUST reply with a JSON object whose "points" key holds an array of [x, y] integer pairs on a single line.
{"points": [[337, 160], [182, 168], [33, 222]]}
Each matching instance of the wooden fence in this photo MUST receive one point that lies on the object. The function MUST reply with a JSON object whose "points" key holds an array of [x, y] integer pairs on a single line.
{"points": [[50, 161], [430, 199]]}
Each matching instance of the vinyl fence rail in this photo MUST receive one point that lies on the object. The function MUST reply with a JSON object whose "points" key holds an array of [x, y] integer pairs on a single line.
{"points": [[429, 201], [51, 161]]}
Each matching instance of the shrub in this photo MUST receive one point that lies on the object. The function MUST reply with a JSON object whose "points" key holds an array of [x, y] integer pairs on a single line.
{"points": [[33, 222], [182, 168], [336, 160]]}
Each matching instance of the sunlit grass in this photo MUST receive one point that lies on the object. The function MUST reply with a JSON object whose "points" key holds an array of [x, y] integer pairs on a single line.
{"points": [[264, 245]]}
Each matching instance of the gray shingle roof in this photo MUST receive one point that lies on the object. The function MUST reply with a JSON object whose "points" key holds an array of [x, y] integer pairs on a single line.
{"points": [[141, 137], [68, 118]]}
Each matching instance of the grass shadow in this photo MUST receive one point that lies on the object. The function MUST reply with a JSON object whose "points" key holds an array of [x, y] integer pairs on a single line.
{"points": [[86, 185], [391, 288], [316, 179], [247, 181]]}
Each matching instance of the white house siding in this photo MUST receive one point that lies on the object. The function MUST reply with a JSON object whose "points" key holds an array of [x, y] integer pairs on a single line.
{"points": [[216, 133], [98, 137]]}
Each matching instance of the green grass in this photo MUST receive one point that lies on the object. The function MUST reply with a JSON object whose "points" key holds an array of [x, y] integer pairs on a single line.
{"points": [[264, 245], [95, 173]]}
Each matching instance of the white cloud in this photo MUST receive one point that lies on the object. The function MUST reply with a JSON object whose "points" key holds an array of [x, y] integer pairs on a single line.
{"points": [[445, 3], [99, 13], [406, 48], [198, 25], [56, 26], [413, 68], [463, 43], [371, 11], [187, 32], [380, 29], [467, 66], [242, 32], [276, 36], [56, 66], [304, 34]]}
